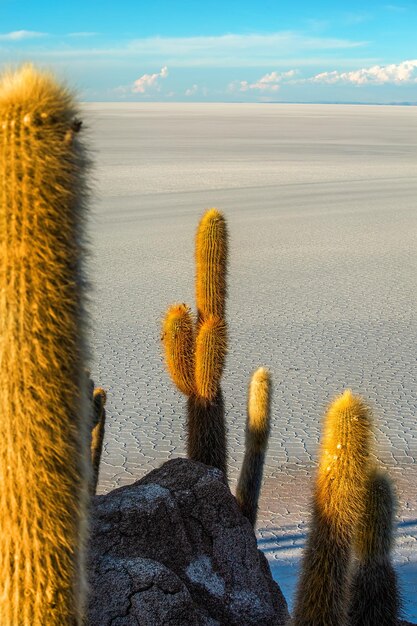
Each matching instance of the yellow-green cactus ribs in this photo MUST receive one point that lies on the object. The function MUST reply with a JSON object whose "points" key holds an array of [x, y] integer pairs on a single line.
{"points": [[210, 354], [337, 506], [211, 254], [178, 341], [256, 442], [44, 406]]}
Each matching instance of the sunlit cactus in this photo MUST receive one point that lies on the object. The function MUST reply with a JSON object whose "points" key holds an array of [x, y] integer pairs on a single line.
{"points": [[337, 507], [44, 457], [256, 442], [374, 597], [210, 353], [211, 254], [178, 340], [195, 354]]}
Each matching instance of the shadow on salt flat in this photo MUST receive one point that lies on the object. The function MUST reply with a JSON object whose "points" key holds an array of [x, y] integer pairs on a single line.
{"points": [[283, 548]]}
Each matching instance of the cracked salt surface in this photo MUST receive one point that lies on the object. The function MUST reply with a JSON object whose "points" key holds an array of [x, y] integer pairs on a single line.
{"points": [[320, 202]]}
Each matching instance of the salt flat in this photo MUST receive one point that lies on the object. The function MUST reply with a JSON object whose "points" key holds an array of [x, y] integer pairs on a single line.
{"points": [[321, 206]]}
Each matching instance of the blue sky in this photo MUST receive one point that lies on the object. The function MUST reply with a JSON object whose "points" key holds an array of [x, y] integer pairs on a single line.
{"points": [[179, 50]]}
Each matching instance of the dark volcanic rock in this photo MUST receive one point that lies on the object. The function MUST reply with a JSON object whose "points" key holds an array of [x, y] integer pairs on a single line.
{"points": [[173, 548]]}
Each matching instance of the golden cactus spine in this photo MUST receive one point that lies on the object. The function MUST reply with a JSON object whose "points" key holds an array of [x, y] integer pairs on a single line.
{"points": [[195, 354], [256, 442], [44, 406], [374, 596], [337, 506]]}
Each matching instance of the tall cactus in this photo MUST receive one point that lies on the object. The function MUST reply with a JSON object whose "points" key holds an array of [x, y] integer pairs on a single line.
{"points": [[44, 407], [337, 506], [373, 591], [195, 353], [256, 441]]}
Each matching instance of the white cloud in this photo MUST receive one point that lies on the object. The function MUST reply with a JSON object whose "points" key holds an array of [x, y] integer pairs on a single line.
{"points": [[267, 83], [398, 74], [191, 91], [19, 35], [142, 84]]}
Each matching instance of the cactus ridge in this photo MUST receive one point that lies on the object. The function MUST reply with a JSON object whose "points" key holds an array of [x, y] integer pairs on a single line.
{"points": [[343, 466], [259, 410], [211, 265], [256, 442], [43, 350], [210, 353], [178, 340], [337, 506]]}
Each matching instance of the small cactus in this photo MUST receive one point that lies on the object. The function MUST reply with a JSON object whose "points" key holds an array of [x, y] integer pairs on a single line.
{"points": [[337, 507], [195, 355], [374, 597], [97, 434], [256, 442], [44, 408]]}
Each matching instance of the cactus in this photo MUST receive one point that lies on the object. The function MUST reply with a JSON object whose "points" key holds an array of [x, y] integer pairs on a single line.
{"points": [[178, 337], [195, 354], [256, 441], [337, 506], [211, 254], [44, 456], [373, 591], [97, 434]]}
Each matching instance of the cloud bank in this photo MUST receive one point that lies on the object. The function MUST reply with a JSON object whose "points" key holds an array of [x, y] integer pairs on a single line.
{"points": [[267, 83], [397, 74], [147, 81], [20, 35]]}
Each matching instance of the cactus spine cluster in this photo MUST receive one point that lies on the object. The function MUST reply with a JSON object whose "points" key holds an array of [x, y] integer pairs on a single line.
{"points": [[337, 507], [373, 589], [195, 352], [44, 406], [256, 441]]}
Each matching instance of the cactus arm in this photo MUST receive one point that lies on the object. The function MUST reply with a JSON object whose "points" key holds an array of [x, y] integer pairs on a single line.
{"points": [[256, 442], [97, 434], [44, 457], [210, 353], [178, 341], [374, 596], [211, 253], [337, 507]]}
